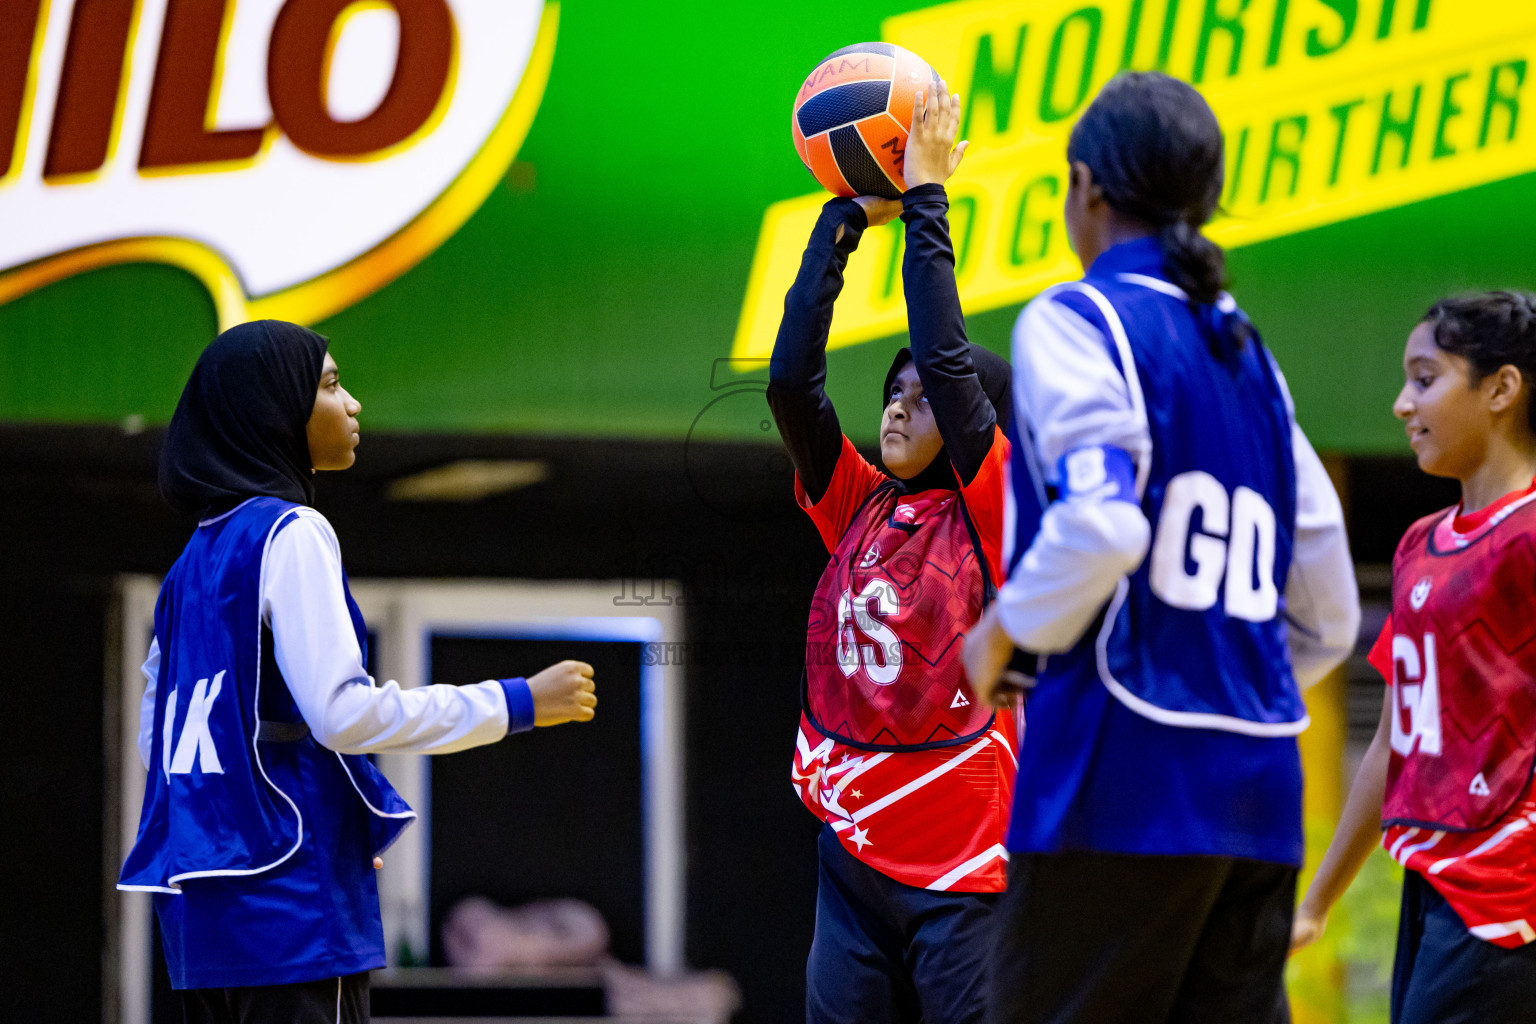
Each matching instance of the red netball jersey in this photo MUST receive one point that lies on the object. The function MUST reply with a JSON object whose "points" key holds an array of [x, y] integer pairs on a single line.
{"points": [[883, 669], [882, 658], [1458, 652]]}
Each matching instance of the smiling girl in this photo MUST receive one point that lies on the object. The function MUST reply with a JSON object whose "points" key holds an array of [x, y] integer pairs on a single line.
{"points": [[1447, 781], [909, 772], [262, 817]]}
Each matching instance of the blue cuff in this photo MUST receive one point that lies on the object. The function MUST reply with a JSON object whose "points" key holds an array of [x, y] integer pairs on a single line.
{"points": [[1099, 471], [519, 704]]}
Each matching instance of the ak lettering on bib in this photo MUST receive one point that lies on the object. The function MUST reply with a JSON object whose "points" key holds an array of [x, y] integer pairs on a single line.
{"points": [[1464, 671], [882, 667]]}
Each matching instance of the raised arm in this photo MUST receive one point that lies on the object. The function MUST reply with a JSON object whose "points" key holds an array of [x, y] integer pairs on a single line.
{"points": [[797, 374], [317, 652], [940, 350]]}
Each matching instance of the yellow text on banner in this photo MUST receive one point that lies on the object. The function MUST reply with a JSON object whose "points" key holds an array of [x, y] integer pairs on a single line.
{"points": [[1330, 108]]}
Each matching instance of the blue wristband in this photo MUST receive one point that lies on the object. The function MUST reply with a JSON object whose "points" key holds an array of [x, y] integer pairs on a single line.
{"points": [[519, 704], [1101, 471]]}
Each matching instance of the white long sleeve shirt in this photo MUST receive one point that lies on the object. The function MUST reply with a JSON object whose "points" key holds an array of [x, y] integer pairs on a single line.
{"points": [[1074, 396], [303, 603]]}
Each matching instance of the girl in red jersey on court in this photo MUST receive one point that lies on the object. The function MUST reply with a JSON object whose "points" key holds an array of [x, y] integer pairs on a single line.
{"points": [[909, 772], [1449, 773]]}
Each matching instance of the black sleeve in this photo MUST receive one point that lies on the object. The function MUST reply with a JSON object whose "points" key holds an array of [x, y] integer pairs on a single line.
{"points": [[939, 347], [797, 374]]}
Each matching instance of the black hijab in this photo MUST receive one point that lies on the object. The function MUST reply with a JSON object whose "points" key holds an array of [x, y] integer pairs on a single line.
{"points": [[996, 377], [239, 429]]}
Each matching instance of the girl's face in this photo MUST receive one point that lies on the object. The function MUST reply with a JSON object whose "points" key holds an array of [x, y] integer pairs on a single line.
{"points": [[332, 429], [909, 436], [1449, 420]]}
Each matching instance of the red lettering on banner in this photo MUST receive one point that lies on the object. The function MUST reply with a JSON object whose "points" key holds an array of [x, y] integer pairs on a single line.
{"points": [[296, 72], [176, 129], [89, 87], [19, 21]]}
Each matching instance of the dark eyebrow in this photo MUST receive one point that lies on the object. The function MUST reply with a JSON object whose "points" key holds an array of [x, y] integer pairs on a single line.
{"points": [[1428, 361]]}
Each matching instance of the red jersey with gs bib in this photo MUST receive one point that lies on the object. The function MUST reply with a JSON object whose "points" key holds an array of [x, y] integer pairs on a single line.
{"points": [[1460, 653], [883, 674]]}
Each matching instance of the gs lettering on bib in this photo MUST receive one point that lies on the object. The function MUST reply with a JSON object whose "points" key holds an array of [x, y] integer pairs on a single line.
{"points": [[1463, 729], [882, 666]]}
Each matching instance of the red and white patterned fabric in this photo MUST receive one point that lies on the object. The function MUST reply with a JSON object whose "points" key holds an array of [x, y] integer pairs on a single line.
{"points": [[933, 818], [1458, 652]]}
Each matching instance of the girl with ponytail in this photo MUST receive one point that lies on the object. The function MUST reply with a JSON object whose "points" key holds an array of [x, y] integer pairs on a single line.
{"points": [[1179, 561], [1446, 785]]}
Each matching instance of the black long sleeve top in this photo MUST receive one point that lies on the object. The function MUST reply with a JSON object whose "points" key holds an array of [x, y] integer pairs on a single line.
{"points": [[798, 370]]}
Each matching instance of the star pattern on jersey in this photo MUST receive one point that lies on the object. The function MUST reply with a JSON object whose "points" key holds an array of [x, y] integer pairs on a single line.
{"points": [[860, 838], [858, 795]]}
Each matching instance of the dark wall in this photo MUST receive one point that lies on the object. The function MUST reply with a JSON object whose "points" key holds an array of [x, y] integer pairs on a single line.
{"points": [[1385, 496], [51, 785], [80, 506], [554, 814]]}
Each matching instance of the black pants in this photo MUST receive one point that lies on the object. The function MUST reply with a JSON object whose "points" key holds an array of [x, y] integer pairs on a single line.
{"points": [[1097, 938], [1444, 974], [888, 953], [330, 1001]]}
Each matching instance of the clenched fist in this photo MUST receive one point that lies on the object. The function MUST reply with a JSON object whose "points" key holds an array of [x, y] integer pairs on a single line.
{"points": [[564, 692]]}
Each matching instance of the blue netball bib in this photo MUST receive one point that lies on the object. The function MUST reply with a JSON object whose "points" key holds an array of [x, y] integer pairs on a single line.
{"points": [[213, 805], [1195, 637]]}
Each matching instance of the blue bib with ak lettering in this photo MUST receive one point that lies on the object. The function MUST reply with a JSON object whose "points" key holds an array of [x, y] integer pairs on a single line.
{"points": [[245, 816]]}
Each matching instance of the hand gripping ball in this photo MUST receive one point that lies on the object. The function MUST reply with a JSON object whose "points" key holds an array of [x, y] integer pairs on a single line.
{"points": [[852, 116]]}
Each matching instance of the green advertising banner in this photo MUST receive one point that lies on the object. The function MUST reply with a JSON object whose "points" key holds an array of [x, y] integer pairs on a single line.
{"points": [[580, 218]]}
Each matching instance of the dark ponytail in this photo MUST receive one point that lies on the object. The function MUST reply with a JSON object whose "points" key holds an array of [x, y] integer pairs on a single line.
{"points": [[1155, 151], [1490, 330], [1193, 262]]}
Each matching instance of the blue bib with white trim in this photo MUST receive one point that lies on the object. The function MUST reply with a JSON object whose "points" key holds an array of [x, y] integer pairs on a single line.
{"points": [[214, 806], [1195, 637]]}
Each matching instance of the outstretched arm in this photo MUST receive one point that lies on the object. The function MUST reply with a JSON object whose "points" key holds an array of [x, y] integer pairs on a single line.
{"points": [[797, 375], [316, 650], [940, 350]]}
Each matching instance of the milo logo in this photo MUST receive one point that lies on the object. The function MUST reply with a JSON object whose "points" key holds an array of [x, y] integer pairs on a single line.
{"points": [[294, 155]]}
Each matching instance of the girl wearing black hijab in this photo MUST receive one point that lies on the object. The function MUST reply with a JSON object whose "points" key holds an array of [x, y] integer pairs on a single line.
{"points": [[262, 817], [909, 772]]}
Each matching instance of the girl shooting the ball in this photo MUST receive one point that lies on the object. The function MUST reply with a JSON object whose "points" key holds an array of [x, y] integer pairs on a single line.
{"points": [[1447, 782], [1180, 558], [262, 817], [907, 769]]}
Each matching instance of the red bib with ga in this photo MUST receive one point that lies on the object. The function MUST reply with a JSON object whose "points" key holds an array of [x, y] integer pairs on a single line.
{"points": [[882, 665], [1464, 670]]}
